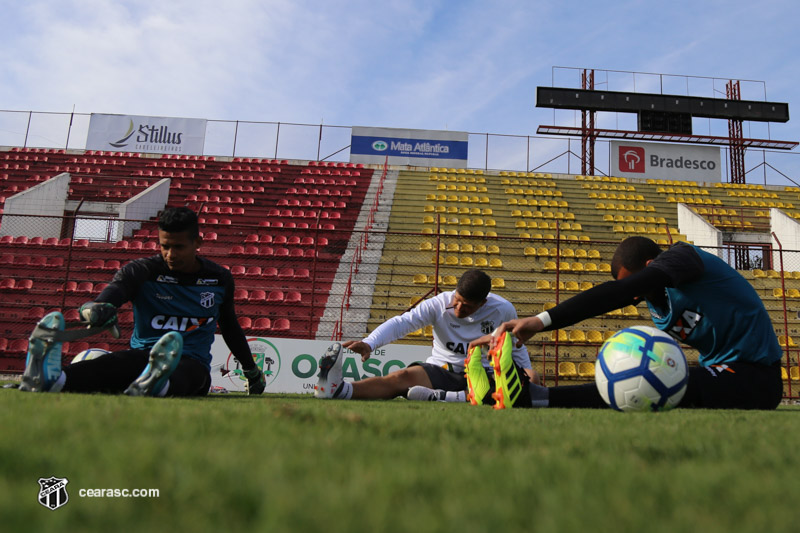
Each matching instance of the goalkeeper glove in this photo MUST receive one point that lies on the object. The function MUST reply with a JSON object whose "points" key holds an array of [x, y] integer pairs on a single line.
{"points": [[100, 314], [256, 382]]}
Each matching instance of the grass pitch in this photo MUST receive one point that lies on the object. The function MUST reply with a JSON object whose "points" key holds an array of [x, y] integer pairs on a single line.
{"points": [[292, 463]]}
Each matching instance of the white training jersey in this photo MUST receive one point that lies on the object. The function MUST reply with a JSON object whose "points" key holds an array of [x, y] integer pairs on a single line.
{"points": [[451, 335]]}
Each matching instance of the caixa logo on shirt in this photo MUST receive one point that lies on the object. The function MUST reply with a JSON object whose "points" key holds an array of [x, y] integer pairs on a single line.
{"points": [[179, 323]]}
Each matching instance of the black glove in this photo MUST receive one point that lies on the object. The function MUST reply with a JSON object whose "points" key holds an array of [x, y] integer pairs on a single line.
{"points": [[256, 382], [99, 314]]}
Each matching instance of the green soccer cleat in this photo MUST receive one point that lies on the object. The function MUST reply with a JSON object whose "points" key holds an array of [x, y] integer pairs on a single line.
{"points": [[507, 383], [477, 380], [43, 364], [164, 357]]}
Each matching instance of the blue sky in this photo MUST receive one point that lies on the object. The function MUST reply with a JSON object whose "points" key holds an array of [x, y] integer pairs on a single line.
{"points": [[458, 65]]}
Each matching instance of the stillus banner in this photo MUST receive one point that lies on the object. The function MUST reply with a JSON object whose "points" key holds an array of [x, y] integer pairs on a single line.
{"points": [[665, 161], [425, 148], [131, 133]]}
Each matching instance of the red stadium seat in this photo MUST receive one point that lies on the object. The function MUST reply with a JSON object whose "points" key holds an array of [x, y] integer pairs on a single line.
{"points": [[240, 295], [111, 264], [238, 270], [18, 346], [257, 296], [84, 287], [245, 322], [253, 271], [286, 273], [95, 264], [293, 297], [34, 313], [275, 297], [281, 324], [262, 324], [24, 285]]}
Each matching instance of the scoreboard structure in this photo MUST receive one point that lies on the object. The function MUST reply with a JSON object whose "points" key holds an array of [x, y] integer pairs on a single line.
{"points": [[663, 118]]}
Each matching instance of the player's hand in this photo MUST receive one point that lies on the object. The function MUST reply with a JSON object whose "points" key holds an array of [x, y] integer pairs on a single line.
{"points": [[522, 328], [361, 348], [256, 382], [486, 340], [100, 314]]}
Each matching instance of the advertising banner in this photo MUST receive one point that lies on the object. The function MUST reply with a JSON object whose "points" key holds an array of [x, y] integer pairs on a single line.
{"points": [[291, 365], [425, 148], [665, 161], [161, 135]]}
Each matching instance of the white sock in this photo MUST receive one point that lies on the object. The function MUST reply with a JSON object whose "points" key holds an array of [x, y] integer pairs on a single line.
{"points": [[59, 384], [344, 392], [455, 396], [540, 396]]}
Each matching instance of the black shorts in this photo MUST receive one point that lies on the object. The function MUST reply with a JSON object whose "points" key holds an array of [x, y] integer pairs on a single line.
{"points": [[442, 378], [113, 372], [737, 385]]}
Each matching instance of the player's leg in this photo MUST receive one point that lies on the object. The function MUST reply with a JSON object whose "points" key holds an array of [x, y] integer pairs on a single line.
{"points": [[164, 357], [735, 385], [110, 374], [190, 378], [393, 384], [43, 362]]}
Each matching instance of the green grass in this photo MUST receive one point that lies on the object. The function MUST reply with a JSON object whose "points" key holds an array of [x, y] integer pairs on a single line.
{"points": [[292, 463]]}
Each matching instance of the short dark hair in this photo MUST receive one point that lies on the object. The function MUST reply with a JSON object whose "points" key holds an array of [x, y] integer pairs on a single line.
{"points": [[178, 219], [632, 253], [474, 285]]}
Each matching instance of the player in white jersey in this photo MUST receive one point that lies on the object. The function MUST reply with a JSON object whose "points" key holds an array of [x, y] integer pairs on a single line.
{"points": [[457, 317]]}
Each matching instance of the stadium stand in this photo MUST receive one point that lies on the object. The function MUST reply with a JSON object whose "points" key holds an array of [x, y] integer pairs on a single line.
{"points": [[287, 231]]}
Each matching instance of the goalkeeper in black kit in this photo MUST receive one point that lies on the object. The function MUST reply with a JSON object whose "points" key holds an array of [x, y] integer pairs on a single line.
{"points": [[178, 299]]}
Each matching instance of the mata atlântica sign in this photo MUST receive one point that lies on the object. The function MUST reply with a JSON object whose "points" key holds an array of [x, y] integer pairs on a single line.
{"points": [[426, 148]]}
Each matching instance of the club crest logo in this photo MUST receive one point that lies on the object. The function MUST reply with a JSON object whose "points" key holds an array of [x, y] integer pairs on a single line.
{"points": [[53, 492], [207, 299], [487, 326]]}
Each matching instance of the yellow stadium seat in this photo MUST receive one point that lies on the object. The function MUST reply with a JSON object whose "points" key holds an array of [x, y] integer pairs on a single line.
{"points": [[420, 279], [594, 336], [566, 369], [586, 369], [498, 283], [577, 335], [494, 262], [449, 281]]}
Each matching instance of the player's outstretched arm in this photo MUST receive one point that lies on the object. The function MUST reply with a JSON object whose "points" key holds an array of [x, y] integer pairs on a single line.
{"points": [[360, 347], [522, 328]]}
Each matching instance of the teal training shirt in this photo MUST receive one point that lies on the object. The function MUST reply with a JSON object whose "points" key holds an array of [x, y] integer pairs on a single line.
{"points": [[712, 308]]}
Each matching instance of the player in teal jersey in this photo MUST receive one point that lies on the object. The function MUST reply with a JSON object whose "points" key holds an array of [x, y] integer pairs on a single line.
{"points": [[178, 299], [698, 299]]}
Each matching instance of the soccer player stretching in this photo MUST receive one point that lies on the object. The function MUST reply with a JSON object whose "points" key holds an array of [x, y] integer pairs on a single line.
{"points": [[456, 316], [178, 299], [698, 299]]}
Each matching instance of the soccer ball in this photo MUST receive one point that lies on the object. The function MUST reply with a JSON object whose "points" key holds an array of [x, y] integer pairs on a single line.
{"points": [[641, 369], [86, 355]]}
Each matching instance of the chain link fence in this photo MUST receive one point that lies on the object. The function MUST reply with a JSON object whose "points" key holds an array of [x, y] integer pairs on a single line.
{"points": [[320, 283]]}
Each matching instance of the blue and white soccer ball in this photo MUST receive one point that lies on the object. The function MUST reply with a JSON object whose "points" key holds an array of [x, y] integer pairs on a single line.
{"points": [[86, 355], [641, 368]]}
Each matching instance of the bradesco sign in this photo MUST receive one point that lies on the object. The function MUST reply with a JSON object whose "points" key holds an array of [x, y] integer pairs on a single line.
{"points": [[409, 147], [160, 135], [291, 365], [665, 161]]}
